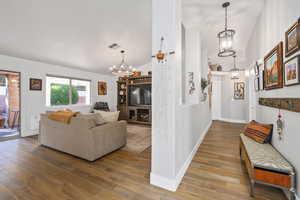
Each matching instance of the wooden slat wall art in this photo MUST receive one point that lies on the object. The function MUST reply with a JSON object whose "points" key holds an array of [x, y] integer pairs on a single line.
{"points": [[291, 104]]}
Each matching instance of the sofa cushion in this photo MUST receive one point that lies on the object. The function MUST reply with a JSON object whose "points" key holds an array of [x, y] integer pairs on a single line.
{"points": [[109, 116], [259, 132]]}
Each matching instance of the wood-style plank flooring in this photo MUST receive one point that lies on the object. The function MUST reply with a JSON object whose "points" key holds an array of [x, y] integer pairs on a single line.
{"points": [[31, 172]]}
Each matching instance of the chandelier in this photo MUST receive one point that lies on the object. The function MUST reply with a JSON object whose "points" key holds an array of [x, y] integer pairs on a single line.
{"points": [[123, 69], [226, 38], [235, 72]]}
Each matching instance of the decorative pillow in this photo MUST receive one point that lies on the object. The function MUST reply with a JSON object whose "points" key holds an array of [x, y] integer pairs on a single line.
{"points": [[259, 132], [94, 119], [99, 120], [109, 116]]}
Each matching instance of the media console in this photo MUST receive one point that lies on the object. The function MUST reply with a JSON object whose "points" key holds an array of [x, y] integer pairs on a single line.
{"points": [[134, 99]]}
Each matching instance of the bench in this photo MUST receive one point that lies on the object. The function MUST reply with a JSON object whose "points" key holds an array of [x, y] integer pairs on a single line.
{"points": [[265, 165]]}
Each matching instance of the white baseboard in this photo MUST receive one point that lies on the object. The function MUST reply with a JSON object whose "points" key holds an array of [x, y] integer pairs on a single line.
{"points": [[233, 120], [163, 182], [172, 184]]}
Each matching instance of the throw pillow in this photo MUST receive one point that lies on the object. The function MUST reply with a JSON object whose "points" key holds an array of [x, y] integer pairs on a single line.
{"points": [[259, 132], [99, 120], [94, 119], [109, 116]]}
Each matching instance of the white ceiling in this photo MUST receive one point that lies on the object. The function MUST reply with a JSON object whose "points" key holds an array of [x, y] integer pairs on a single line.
{"points": [[76, 33], [209, 17]]}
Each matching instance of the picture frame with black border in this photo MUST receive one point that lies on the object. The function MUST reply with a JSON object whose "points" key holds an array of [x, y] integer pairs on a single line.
{"points": [[292, 39], [294, 71], [35, 84]]}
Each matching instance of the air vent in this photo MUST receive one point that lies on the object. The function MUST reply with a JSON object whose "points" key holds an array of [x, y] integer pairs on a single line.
{"points": [[114, 46]]}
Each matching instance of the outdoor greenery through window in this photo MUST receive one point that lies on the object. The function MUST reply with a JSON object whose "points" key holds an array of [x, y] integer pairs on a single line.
{"points": [[67, 91]]}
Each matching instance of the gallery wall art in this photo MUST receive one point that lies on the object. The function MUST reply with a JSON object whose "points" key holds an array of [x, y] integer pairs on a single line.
{"points": [[291, 71], [102, 88], [292, 39], [273, 73], [239, 91], [35, 84], [191, 83], [257, 84]]}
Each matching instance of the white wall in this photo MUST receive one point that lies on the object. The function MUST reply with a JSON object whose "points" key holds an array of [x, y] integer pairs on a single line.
{"points": [[193, 118], [34, 102], [216, 97], [230, 110], [276, 18], [145, 68], [177, 128]]}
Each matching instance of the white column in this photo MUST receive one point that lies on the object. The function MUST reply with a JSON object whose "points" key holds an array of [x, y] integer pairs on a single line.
{"points": [[166, 22]]}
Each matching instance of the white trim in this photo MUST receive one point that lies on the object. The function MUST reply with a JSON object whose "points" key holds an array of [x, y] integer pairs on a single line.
{"points": [[297, 198], [232, 120], [160, 181], [172, 184]]}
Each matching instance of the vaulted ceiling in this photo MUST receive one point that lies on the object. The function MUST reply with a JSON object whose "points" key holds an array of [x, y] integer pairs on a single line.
{"points": [[76, 33], [208, 16]]}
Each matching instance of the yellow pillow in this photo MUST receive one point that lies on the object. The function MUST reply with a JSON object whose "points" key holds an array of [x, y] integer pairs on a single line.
{"points": [[109, 116]]}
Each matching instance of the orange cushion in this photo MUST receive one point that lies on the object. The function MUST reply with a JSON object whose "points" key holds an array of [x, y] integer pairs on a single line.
{"points": [[259, 132]]}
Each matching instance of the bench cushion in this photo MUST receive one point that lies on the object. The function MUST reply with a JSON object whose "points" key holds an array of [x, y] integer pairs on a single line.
{"points": [[265, 156]]}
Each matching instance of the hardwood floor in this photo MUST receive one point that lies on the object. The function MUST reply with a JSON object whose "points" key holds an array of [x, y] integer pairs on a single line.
{"points": [[31, 172]]}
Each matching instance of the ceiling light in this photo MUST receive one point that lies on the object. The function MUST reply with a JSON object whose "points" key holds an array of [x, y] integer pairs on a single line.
{"points": [[226, 38], [123, 69], [235, 72]]}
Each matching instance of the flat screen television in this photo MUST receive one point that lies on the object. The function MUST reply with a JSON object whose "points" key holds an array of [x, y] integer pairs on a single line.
{"points": [[139, 95]]}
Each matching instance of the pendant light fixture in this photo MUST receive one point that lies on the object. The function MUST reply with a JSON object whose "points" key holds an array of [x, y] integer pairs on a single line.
{"points": [[235, 72], [226, 37], [123, 69]]}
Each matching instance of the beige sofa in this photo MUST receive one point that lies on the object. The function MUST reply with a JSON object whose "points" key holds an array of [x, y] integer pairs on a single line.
{"points": [[81, 137]]}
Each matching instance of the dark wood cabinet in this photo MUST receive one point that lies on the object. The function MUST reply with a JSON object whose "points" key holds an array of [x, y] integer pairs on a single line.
{"points": [[133, 114]]}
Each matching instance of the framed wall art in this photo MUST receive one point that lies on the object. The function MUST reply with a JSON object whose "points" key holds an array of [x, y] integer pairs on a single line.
{"points": [[257, 84], [102, 88], [261, 80], [292, 39], [291, 71], [273, 73], [35, 84], [239, 91], [256, 69]]}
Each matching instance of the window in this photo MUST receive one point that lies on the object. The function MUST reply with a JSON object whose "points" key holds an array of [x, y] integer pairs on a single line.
{"points": [[67, 91]]}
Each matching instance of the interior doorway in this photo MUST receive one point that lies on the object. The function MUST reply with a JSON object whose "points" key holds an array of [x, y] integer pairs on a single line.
{"points": [[9, 105]]}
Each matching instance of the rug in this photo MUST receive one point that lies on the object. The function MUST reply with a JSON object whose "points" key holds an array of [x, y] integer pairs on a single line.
{"points": [[138, 138]]}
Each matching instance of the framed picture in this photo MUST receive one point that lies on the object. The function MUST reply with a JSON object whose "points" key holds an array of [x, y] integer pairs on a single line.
{"points": [[102, 88], [261, 80], [292, 39], [239, 91], [35, 84], [291, 71], [273, 76], [257, 84], [256, 69]]}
